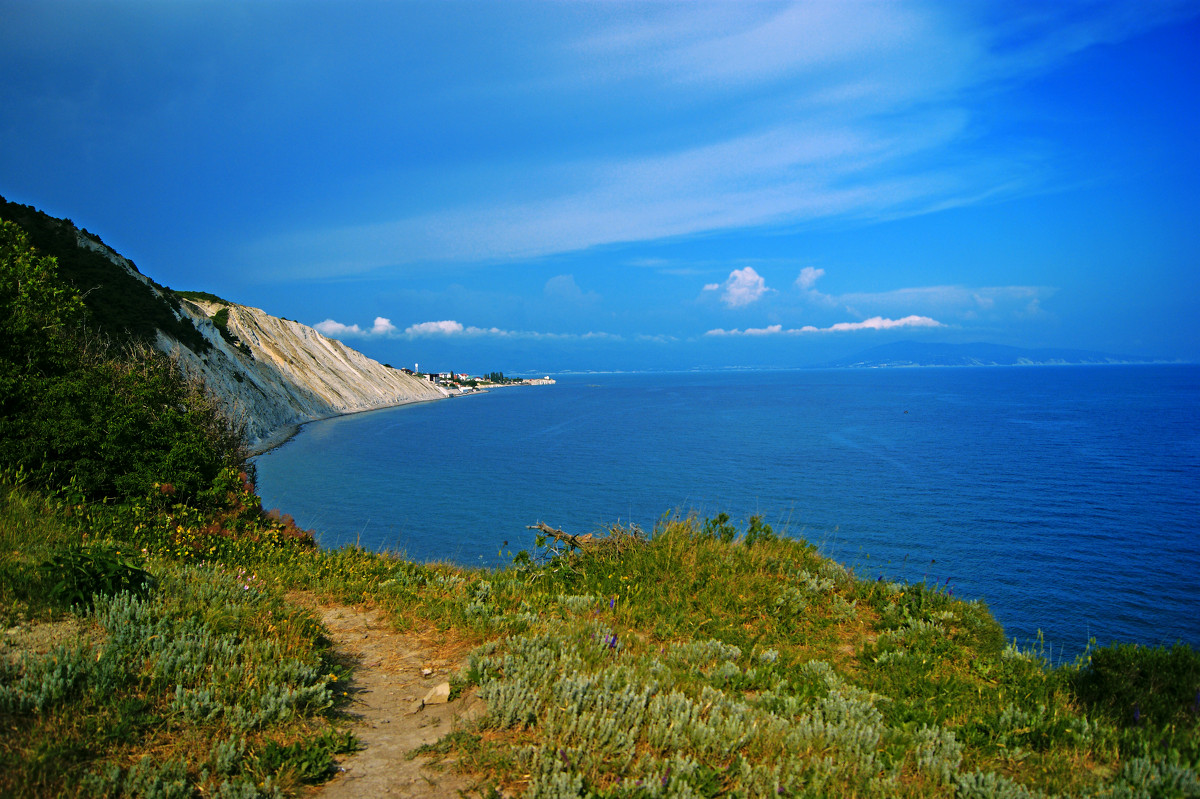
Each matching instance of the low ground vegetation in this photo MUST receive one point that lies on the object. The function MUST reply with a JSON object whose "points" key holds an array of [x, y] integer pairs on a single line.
{"points": [[759, 669]]}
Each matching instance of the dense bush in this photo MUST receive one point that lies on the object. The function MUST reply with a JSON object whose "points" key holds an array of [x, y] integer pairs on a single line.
{"points": [[1142, 685], [108, 420], [78, 574]]}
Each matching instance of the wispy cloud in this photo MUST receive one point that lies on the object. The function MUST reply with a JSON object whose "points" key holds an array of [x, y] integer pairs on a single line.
{"points": [[963, 302], [563, 288], [959, 301], [808, 277], [874, 323], [872, 115]]}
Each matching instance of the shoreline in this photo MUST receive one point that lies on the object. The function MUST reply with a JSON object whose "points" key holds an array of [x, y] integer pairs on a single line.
{"points": [[282, 435]]}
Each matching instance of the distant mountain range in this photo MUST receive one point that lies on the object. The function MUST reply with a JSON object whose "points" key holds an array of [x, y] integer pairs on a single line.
{"points": [[914, 353]]}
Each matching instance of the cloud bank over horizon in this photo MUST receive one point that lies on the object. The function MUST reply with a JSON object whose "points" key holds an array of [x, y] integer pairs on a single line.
{"points": [[874, 323]]}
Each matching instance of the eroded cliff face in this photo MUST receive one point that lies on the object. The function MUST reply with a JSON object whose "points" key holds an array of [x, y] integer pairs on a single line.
{"points": [[279, 373], [289, 373]]}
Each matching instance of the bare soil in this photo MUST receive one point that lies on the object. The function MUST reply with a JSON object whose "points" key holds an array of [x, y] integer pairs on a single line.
{"points": [[393, 673], [42, 637]]}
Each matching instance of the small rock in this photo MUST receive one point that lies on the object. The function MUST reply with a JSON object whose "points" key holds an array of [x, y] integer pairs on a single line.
{"points": [[439, 695], [425, 672], [475, 709]]}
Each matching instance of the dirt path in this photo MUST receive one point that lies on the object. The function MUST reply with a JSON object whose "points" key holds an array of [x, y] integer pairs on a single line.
{"points": [[393, 674]]}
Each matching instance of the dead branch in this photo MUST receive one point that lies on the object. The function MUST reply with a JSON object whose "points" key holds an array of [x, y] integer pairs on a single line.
{"points": [[579, 541]]}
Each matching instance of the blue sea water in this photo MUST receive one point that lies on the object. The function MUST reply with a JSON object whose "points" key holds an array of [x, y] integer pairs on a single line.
{"points": [[1067, 498]]}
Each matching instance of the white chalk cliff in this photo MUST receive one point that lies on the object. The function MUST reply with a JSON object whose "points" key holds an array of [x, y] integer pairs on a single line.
{"points": [[286, 374], [292, 374]]}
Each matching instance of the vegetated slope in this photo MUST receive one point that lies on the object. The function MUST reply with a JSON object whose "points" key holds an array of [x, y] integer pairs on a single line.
{"points": [[122, 302], [270, 373]]}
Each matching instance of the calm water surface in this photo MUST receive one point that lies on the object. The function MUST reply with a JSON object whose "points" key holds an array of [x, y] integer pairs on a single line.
{"points": [[1068, 498]]}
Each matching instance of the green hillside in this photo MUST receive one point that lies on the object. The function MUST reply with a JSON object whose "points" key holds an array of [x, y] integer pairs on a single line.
{"points": [[121, 306]]}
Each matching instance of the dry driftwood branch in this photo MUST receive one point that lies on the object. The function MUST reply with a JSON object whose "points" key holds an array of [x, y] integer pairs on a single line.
{"points": [[618, 540], [580, 541]]}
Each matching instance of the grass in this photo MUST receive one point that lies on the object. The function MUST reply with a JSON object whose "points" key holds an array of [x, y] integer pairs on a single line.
{"points": [[201, 678], [700, 660]]}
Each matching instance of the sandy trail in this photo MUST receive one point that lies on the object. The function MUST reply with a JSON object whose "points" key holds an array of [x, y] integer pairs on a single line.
{"points": [[393, 673]]}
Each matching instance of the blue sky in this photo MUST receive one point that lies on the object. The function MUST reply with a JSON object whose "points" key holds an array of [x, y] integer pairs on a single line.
{"points": [[537, 187]]}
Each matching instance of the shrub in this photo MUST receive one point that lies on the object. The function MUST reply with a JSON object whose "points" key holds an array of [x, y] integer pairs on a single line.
{"points": [[118, 424], [1137, 685], [76, 575], [758, 531]]}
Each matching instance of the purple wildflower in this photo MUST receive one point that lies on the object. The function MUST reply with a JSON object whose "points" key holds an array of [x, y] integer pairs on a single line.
{"points": [[1137, 713]]}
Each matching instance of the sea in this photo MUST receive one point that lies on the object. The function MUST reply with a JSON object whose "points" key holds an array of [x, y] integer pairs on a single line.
{"points": [[1067, 498]]}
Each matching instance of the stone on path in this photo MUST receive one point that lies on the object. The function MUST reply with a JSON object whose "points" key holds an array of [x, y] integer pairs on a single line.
{"points": [[439, 695]]}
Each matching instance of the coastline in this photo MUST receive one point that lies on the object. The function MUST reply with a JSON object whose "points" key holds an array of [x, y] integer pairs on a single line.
{"points": [[282, 435]]}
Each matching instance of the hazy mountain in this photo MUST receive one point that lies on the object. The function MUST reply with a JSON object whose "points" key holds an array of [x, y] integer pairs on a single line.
{"points": [[915, 353]]}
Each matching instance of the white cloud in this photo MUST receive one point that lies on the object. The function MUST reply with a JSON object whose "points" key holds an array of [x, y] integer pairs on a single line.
{"points": [[453, 328], [337, 330], [446, 328], [879, 323], [744, 286], [875, 323], [380, 328], [809, 277]]}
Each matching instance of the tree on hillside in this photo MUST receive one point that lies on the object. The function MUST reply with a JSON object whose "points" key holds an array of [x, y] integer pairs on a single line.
{"points": [[39, 309], [75, 409]]}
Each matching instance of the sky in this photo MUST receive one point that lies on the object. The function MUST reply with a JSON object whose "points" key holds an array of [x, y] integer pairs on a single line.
{"points": [[570, 186]]}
